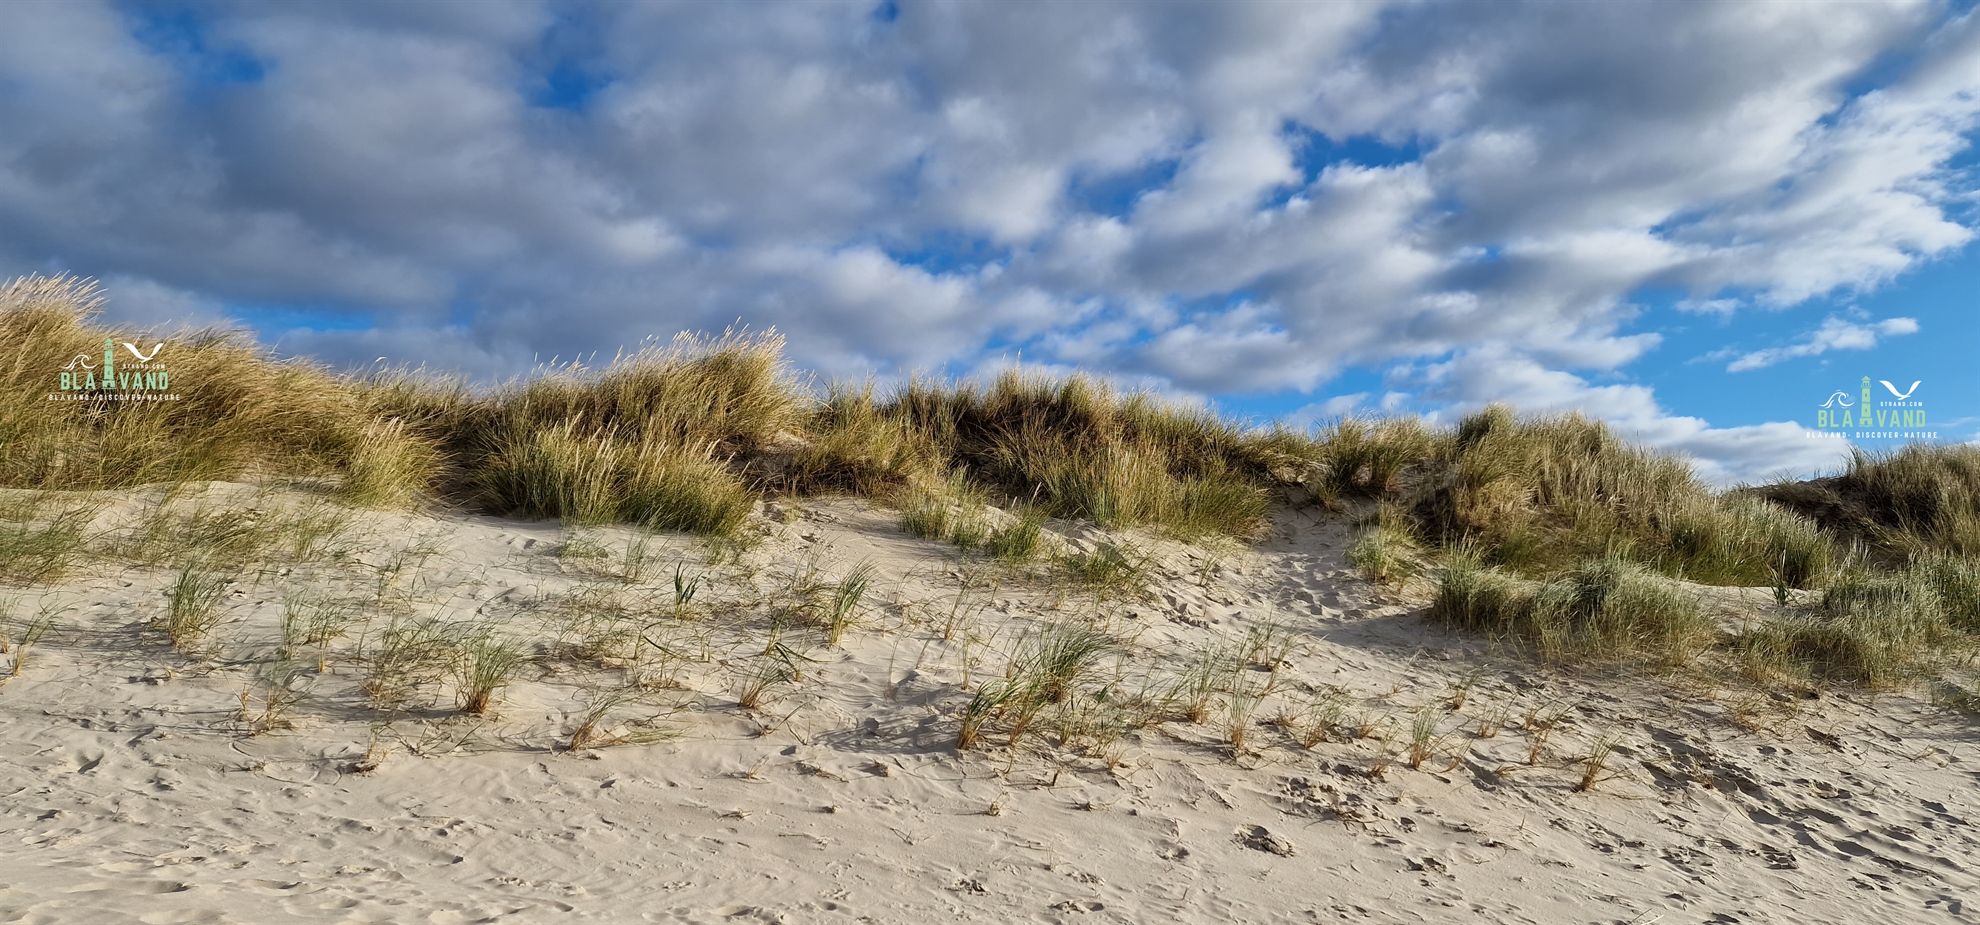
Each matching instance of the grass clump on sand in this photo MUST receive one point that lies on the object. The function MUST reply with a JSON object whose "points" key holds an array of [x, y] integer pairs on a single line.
{"points": [[589, 479], [1605, 609], [1386, 551], [653, 439], [42, 551], [1076, 449], [1358, 456], [389, 466], [192, 608], [237, 411], [483, 666], [1109, 569], [1047, 672], [1537, 495], [957, 514], [1877, 630]]}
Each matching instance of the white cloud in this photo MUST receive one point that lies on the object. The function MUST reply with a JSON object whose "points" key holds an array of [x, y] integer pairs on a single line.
{"points": [[908, 194], [1834, 334]]}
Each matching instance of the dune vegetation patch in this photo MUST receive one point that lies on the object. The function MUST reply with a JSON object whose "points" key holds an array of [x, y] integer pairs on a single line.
{"points": [[1553, 530]]}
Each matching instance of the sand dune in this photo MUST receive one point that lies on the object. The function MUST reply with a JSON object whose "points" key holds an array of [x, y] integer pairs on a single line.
{"points": [[134, 786]]}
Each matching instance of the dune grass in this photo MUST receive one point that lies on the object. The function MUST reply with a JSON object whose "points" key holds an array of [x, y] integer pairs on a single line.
{"points": [[389, 466], [42, 551], [1879, 630], [1537, 495], [236, 411], [1606, 609], [192, 609], [1047, 670], [1556, 529], [1360, 456], [1075, 448], [843, 606], [1921, 498], [1110, 569], [20, 644], [1386, 550], [685, 435], [483, 665]]}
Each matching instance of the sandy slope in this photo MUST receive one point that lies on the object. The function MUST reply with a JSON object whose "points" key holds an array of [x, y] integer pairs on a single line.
{"points": [[130, 793]]}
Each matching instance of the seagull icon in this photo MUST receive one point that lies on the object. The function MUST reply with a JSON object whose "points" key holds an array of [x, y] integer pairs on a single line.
{"points": [[1901, 396], [143, 357]]}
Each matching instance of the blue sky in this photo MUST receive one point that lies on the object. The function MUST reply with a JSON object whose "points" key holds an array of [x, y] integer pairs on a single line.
{"points": [[1694, 221]]}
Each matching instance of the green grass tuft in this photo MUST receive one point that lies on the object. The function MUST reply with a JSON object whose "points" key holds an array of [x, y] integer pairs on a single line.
{"points": [[1606, 609]]}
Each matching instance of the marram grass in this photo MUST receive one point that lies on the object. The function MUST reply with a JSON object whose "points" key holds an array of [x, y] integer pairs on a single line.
{"points": [[687, 435]]}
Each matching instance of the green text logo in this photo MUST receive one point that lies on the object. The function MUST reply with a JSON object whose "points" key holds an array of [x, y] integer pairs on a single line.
{"points": [[139, 376], [1883, 410]]}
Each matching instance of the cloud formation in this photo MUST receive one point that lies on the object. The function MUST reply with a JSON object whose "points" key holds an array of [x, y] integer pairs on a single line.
{"points": [[1834, 334], [1216, 198]]}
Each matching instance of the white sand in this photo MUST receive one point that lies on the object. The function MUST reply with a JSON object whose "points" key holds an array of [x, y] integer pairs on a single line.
{"points": [[130, 791]]}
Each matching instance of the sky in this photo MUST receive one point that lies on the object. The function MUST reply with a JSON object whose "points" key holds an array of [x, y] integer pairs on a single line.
{"points": [[1693, 220]]}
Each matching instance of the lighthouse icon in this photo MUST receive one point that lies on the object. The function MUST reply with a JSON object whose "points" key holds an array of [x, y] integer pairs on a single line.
{"points": [[110, 368], [1866, 395]]}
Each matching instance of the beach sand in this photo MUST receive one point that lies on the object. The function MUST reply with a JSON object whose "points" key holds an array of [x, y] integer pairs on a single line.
{"points": [[135, 785]]}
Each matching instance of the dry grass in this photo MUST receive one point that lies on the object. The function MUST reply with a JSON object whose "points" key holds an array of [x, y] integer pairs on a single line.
{"points": [[777, 666], [857, 445], [483, 665], [685, 435], [1075, 448], [588, 478], [30, 634], [1898, 504], [1110, 569], [237, 410], [1358, 456], [1595, 764], [1048, 671], [277, 688], [407, 661]]}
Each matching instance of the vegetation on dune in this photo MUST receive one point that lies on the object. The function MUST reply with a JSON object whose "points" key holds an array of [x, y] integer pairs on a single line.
{"points": [[1077, 449], [236, 411], [1553, 531], [1876, 629], [685, 435], [1537, 495], [1900, 503], [678, 436], [1604, 609]]}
